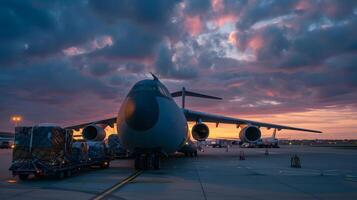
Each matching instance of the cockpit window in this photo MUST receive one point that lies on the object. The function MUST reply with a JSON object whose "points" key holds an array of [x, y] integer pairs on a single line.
{"points": [[157, 88], [145, 88], [164, 91]]}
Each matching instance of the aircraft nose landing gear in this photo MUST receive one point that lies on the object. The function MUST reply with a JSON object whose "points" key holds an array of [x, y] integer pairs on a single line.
{"points": [[145, 161]]}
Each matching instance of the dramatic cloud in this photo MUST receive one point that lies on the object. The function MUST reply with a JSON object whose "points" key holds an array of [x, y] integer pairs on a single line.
{"points": [[74, 61]]}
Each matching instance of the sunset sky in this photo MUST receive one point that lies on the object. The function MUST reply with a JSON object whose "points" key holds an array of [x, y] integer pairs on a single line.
{"points": [[291, 62]]}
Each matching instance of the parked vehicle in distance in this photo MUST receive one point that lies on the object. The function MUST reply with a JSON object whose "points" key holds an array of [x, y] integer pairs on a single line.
{"points": [[248, 145], [219, 143], [5, 145]]}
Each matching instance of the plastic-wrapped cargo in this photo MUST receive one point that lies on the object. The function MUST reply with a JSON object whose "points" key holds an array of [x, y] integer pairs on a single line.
{"points": [[114, 141], [50, 144], [48, 150], [115, 147], [22, 143], [80, 151], [41, 149], [96, 150]]}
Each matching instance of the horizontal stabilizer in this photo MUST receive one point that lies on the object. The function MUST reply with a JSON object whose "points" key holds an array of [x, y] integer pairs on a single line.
{"points": [[193, 94], [183, 93]]}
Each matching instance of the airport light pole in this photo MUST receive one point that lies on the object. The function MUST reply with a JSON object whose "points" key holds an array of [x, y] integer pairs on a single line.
{"points": [[16, 119]]}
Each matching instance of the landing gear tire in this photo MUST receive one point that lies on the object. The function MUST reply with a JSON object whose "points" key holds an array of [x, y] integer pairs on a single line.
{"points": [[144, 162], [195, 153], [156, 163], [60, 175], [69, 173], [141, 162], [38, 175], [150, 161], [23, 177], [137, 163]]}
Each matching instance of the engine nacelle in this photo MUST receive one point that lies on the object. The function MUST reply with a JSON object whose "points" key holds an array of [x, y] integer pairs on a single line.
{"points": [[94, 132], [250, 134], [200, 132]]}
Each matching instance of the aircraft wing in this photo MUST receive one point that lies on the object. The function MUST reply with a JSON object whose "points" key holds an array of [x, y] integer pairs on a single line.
{"points": [[205, 117], [110, 122]]}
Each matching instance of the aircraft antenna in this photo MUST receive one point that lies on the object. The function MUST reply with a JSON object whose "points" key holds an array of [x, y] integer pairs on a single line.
{"points": [[155, 77]]}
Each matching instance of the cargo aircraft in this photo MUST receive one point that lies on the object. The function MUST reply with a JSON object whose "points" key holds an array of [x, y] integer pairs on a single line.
{"points": [[150, 124]]}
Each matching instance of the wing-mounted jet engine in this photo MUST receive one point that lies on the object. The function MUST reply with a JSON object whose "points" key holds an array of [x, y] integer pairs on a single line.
{"points": [[94, 132], [200, 132], [250, 134]]}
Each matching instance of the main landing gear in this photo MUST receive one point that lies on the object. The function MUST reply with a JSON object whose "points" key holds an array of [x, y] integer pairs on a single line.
{"points": [[146, 161], [191, 153]]}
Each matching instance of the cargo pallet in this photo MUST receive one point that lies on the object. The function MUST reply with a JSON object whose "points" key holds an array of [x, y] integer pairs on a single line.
{"points": [[25, 168], [49, 151]]}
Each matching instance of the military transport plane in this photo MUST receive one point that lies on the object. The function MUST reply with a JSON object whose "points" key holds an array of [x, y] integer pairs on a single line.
{"points": [[151, 124]]}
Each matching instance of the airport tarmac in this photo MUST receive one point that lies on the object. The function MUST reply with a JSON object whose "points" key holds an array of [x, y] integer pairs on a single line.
{"points": [[326, 173]]}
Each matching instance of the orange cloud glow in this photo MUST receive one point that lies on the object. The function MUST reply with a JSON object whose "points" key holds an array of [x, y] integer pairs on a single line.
{"points": [[303, 5], [256, 43], [73, 51], [235, 85], [102, 42], [222, 20], [217, 5], [232, 38], [193, 25], [97, 43], [270, 93]]}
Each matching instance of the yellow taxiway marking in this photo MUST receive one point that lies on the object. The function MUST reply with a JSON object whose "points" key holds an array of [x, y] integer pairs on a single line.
{"points": [[351, 178], [117, 186]]}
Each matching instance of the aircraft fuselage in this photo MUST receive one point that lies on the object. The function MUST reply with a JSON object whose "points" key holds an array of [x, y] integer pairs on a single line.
{"points": [[150, 119]]}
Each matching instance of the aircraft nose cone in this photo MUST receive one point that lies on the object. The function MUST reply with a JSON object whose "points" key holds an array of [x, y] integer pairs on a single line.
{"points": [[141, 111]]}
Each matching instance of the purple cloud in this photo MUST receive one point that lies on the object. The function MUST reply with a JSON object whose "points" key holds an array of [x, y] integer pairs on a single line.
{"points": [[72, 62]]}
